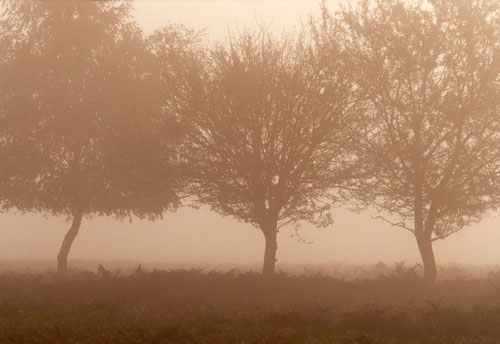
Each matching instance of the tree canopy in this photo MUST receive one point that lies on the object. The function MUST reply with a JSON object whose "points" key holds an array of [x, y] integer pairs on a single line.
{"points": [[272, 133], [431, 75], [75, 88]]}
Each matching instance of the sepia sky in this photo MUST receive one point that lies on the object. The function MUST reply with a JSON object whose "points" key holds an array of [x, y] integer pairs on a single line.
{"points": [[199, 236]]}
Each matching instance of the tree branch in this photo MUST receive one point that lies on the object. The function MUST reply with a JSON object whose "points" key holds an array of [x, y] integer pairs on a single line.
{"points": [[395, 224]]}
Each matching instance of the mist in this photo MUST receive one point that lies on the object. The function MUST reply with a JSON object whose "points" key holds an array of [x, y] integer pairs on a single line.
{"points": [[200, 237], [249, 171]]}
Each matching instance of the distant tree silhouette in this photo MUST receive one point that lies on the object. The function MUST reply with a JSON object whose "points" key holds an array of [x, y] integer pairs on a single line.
{"points": [[75, 85], [272, 128], [431, 74], [176, 65]]}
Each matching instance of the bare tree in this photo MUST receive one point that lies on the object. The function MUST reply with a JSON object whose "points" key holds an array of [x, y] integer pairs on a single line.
{"points": [[431, 74], [273, 123]]}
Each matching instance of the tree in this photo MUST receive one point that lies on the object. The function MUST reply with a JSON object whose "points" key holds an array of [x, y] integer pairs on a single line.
{"points": [[76, 97], [176, 64], [272, 126], [16, 161], [431, 74]]}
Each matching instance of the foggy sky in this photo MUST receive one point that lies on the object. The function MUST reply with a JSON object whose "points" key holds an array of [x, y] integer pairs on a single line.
{"points": [[199, 236]]}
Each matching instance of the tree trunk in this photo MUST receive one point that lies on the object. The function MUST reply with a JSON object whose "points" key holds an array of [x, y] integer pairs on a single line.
{"points": [[426, 252], [270, 234], [62, 257]]}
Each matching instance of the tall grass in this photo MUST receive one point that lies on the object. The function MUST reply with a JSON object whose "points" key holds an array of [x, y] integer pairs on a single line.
{"points": [[196, 306]]}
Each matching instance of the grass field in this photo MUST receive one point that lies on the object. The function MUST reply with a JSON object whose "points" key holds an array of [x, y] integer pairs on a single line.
{"points": [[194, 306]]}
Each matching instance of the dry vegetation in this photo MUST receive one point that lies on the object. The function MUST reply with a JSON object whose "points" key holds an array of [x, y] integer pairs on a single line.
{"points": [[195, 306]]}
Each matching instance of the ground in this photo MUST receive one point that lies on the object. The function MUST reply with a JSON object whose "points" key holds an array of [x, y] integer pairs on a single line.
{"points": [[196, 306]]}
